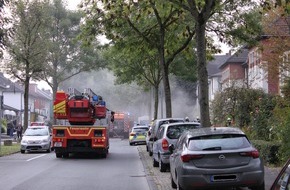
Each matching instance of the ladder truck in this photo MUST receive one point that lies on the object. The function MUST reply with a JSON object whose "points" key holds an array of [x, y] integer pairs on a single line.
{"points": [[85, 123]]}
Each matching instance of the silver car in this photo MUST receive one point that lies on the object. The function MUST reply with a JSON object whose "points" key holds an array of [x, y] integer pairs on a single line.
{"points": [[155, 127], [168, 134], [215, 158], [36, 138]]}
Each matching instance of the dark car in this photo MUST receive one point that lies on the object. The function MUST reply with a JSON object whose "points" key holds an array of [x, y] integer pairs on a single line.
{"points": [[154, 128], [220, 157], [168, 134], [282, 182]]}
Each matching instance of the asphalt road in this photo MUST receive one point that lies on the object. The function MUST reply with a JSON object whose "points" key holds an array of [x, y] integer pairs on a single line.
{"points": [[126, 168], [122, 170]]}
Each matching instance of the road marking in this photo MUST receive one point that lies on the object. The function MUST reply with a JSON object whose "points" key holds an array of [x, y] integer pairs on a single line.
{"points": [[35, 157]]}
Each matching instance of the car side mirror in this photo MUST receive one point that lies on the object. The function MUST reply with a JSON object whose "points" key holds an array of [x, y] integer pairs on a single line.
{"points": [[171, 148]]}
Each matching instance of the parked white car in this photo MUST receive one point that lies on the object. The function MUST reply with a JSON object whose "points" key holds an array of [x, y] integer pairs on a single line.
{"points": [[36, 138]]}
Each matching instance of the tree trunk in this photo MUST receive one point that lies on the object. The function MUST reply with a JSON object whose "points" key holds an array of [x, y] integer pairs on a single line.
{"points": [[54, 90], [26, 108], [202, 74], [167, 92], [156, 98]]}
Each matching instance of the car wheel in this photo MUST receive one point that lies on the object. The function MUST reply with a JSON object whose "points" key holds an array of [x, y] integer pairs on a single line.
{"points": [[104, 155], [22, 151], [58, 155], [155, 163], [259, 187], [173, 184], [178, 186], [150, 153], [48, 150], [162, 166]]}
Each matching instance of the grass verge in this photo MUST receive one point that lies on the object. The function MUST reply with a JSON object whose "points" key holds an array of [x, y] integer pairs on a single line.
{"points": [[6, 150]]}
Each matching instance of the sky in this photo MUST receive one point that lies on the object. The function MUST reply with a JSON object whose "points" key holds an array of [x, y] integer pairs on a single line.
{"points": [[72, 4]]}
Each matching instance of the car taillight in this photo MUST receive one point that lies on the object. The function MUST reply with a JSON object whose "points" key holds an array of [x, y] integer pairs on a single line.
{"points": [[254, 154], [188, 157], [165, 144]]}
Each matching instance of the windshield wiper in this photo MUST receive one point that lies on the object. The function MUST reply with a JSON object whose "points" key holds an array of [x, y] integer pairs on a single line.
{"points": [[213, 148]]}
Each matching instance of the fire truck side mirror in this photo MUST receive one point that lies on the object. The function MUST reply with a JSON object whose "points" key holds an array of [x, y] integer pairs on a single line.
{"points": [[112, 116]]}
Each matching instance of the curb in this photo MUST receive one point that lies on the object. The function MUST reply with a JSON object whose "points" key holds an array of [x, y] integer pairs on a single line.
{"points": [[150, 179]]}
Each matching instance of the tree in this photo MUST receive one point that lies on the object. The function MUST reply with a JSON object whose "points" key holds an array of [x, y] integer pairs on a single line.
{"points": [[136, 65], [158, 24], [27, 44], [67, 57], [2, 29], [224, 18], [276, 44]]}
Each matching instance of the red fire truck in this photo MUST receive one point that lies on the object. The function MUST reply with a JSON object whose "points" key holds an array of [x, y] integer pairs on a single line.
{"points": [[85, 122], [123, 122]]}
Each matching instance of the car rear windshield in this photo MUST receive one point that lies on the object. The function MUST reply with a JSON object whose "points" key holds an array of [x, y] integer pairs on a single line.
{"points": [[140, 129], [174, 131], [219, 142], [36, 132], [170, 121]]}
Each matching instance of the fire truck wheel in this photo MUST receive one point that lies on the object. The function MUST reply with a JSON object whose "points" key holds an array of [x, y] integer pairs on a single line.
{"points": [[65, 155], [58, 155]]}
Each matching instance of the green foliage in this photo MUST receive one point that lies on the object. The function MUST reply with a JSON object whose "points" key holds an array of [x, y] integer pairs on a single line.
{"points": [[27, 42], [144, 27], [280, 122], [285, 148], [261, 116], [3, 125], [268, 151], [248, 108], [7, 150]]}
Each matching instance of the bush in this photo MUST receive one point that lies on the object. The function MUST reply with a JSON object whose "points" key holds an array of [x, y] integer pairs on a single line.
{"points": [[3, 126], [269, 151]]}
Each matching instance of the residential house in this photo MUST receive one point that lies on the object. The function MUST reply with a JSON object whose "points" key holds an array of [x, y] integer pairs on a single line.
{"points": [[215, 74], [214, 77], [39, 103], [265, 68], [234, 69], [12, 99]]}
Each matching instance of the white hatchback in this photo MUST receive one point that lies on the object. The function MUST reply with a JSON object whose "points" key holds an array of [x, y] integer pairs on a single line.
{"points": [[36, 138]]}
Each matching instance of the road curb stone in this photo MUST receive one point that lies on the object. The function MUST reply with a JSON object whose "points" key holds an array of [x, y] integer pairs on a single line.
{"points": [[160, 180]]}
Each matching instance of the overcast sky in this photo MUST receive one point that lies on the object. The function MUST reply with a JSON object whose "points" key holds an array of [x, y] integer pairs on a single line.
{"points": [[72, 4]]}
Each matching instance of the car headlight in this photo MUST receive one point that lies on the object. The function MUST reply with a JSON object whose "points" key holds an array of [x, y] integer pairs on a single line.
{"points": [[45, 140], [23, 141]]}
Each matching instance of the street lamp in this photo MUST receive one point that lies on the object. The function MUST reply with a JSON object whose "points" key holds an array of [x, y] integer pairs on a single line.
{"points": [[1, 111]]}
